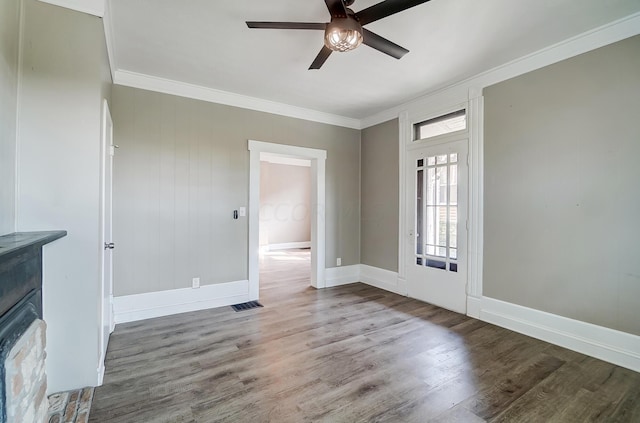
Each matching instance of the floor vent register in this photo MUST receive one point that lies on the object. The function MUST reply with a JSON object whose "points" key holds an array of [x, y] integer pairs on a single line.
{"points": [[246, 306]]}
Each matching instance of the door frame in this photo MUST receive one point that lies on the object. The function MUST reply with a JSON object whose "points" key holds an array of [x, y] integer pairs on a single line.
{"points": [[318, 158], [474, 105], [106, 159]]}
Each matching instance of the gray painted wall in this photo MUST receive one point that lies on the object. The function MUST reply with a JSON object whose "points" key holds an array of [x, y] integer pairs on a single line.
{"points": [[9, 45], [285, 203], [65, 76], [181, 170], [379, 185], [562, 195]]}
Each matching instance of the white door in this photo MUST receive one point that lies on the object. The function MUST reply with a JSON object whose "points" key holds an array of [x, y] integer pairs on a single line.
{"points": [[436, 268], [106, 292]]}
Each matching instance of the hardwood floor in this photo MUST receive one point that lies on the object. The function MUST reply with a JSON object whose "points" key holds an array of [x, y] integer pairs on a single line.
{"points": [[348, 354]]}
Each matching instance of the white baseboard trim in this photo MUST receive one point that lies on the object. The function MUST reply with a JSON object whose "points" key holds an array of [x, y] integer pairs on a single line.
{"points": [[380, 278], [474, 305], [289, 245], [130, 308], [620, 348], [336, 276], [403, 288], [100, 374]]}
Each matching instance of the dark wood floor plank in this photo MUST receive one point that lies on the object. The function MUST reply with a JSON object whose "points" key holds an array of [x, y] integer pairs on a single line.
{"points": [[551, 396], [489, 403], [351, 353]]}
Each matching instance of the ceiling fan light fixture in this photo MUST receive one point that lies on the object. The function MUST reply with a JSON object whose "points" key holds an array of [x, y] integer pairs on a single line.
{"points": [[343, 34]]}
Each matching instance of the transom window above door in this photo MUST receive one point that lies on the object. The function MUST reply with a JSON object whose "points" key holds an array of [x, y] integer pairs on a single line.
{"points": [[441, 125]]}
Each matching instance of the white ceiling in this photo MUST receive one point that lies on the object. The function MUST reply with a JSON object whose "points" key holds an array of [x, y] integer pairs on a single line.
{"points": [[206, 43]]}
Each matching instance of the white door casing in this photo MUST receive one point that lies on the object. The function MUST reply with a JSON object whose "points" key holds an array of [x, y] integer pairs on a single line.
{"points": [[106, 244], [437, 187], [317, 158]]}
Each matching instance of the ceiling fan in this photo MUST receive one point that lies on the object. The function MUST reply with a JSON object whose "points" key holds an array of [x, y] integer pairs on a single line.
{"points": [[345, 31]]}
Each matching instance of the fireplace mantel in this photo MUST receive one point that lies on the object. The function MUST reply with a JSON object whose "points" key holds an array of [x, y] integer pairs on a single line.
{"points": [[12, 243], [21, 265]]}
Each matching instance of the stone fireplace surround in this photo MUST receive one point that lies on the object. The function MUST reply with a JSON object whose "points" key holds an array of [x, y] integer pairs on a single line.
{"points": [[23, 381]]}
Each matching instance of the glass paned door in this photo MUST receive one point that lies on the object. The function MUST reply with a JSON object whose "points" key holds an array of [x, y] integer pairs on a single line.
{"points": [[437, 211], [436, 265]]}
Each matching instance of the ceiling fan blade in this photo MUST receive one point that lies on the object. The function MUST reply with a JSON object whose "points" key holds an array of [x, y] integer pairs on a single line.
{"points": [[320, 58], [384, 9], [336, 8], [287, 25], [382, 44]]}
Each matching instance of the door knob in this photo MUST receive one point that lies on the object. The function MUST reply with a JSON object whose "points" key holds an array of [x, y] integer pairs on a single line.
{"points": [[109, 246]]}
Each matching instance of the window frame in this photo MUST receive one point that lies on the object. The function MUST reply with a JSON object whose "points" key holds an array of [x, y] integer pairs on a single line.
{"points": [[417, 121]]}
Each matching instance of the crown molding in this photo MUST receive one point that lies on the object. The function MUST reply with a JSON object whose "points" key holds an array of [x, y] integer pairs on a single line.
{"points": [[599, 37], [183, 89], [451, 93], [109, 39], [92, 7]]}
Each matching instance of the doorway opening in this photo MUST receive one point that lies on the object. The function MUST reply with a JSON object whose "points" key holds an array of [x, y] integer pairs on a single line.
{"points": [[285, 225], [261, 152]]}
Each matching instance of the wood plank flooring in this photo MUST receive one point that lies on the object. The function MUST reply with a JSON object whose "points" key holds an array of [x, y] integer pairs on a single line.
{"points": [[348, 354]]}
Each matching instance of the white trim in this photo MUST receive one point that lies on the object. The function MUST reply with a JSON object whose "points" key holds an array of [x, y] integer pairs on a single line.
{"points": [[620, 348], [289, 245], [198, 92], [16, 164], [105, 186], [289, 161], [452, 93], [403, 126], [100, 370], [92, 7], [318, 187], [474, 305], [131, 308], [475, 113], [113, 319], [287, 150], [380, 278], [403, 289], [110, 40], [336, 276]]}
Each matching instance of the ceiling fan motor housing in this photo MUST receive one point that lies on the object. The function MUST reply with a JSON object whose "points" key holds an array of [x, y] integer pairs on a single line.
{"points": [[343, 34]]}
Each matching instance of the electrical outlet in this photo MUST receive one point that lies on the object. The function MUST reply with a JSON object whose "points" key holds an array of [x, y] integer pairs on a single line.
{"points": [[339, 261], [195, 283]]}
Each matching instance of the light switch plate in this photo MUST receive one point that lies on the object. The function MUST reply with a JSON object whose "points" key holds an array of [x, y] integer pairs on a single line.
{"points": [[243, 211]]}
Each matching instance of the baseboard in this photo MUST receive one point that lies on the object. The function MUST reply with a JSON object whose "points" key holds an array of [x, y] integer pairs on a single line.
{"points": [[100, 375], [130, 308], [112, 325], [403, 288], [380, 278], [336, 276], [474, 305], [289, 245], [620, 348]]}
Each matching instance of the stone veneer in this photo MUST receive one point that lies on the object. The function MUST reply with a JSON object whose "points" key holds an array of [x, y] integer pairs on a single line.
{"points": [[25, 377], [71, 406]]}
